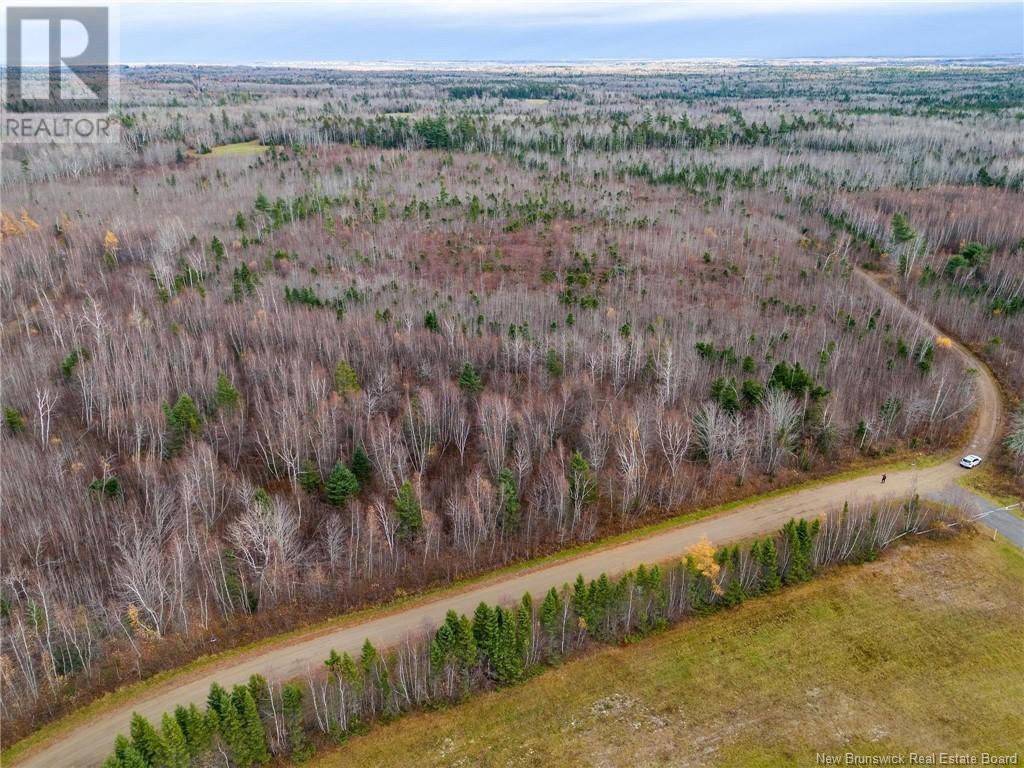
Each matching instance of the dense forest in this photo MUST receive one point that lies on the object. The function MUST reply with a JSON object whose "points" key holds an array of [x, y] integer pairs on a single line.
{"points": [[304, 340]]}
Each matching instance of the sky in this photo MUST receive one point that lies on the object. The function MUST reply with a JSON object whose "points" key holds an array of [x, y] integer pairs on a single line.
{"points": [[256, 31]]}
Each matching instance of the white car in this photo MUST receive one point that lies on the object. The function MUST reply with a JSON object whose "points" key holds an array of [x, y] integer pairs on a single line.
{"points": [[970, 461]]}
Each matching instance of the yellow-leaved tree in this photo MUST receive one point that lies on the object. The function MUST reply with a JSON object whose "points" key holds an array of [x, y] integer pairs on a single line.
{"points": [[703, 554], [110, 246]]}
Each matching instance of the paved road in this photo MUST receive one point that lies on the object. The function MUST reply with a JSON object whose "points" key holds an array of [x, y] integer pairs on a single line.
{"points": [[88, 744], [1002, 520]]}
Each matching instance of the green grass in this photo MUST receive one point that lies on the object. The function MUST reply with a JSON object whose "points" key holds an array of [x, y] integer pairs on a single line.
{"points": [[922, 651], [204, 664], [224, 150]]}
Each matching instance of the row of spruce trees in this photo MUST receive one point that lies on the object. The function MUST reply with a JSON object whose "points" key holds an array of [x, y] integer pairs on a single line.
{"points": [[500, 645]]}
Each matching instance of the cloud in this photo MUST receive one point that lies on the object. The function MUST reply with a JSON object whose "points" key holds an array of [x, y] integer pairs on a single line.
{"points": [[560, 30], [547, 12]]}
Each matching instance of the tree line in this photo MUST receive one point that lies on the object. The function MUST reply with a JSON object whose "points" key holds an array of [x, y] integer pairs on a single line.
{"points": [[501, 645]]}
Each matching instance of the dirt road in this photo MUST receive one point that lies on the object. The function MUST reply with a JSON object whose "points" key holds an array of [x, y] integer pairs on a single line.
{"points": [[89, 744]]}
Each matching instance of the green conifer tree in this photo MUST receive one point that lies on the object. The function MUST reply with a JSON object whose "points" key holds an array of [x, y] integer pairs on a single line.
{"points": [[410, 517], [485, 631], [291, 709], [183, 421], [132, 758], [464, 645], [346, 381], [770, 581], [217, 699], [341, 485], [217, 247], [755, 557], [146, 740], [524, 629], [506, 660], [581, 600], [196, 727], [226, 396], [361, 466], [254, 736], [232, 728], [508, 502], [901, 231], [176, 754], [440, 648], [469, 379], [258, 689], [13, 419], [121, 746], [551, 616]]}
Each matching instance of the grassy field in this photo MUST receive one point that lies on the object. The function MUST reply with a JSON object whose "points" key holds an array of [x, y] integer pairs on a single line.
{"points": [[241, 148], [922, 651]]}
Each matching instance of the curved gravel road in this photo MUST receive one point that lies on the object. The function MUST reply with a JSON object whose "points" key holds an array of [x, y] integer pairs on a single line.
{"points": [[88, 744]]}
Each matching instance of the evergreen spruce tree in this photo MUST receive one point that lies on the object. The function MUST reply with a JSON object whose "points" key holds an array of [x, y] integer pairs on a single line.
{"points": [[734, 594], [146, 740], [133, 759], [901, 231], [603, 596], [440, 648], [253, 736], [121, 747], [551, 611], [345, 379], [553, 362], [506, 662], [464, 645], [14, 420], [233, 730], [368, 658], [350, 673], [341, 485], [485, 630], [225, 395], [410, 517], [524, 628], [469, 379], [196, 728], [258, 689], [291, 709], [176, 754], [770, 581], [800, 543], [581, 600], [755, 558], [508, 502], [550, 614], [374, 672], [361, 466], [217, 699], [183, 421], [218, 250]]}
